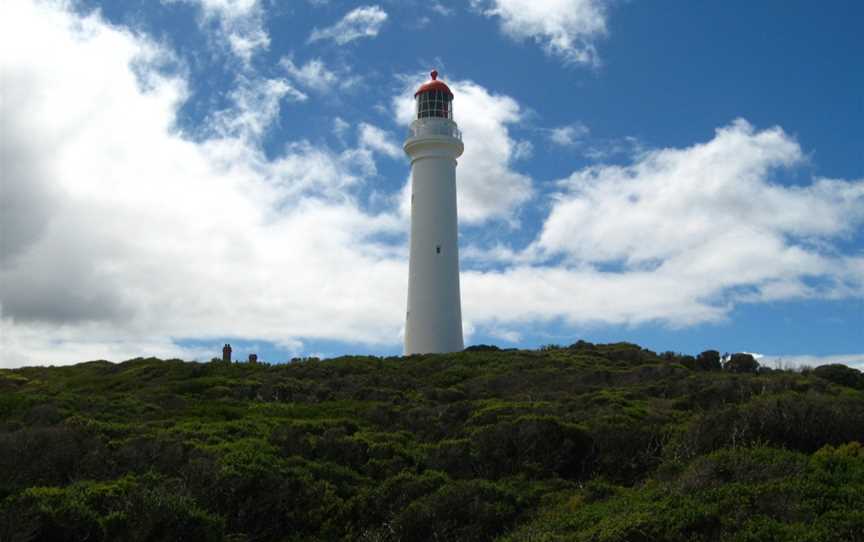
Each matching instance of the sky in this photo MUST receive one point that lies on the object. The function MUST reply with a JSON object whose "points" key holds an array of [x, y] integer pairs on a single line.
{"points": [[179, 174]]}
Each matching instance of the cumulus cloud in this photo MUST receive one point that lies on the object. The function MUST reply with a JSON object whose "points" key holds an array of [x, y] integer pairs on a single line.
{"points": [[138, 236], [239, 22], [521, 294], [48, 344], [565, 28], [674, 202], [362, 22], [680, 236], [487, 185]]}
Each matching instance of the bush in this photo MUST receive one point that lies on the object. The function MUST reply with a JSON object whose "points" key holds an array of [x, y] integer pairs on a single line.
{"points": [[131, 509], [803, 422], [742, 363], [482, 348], [588, 442], [841, 375], [708, 360], [532, 445], [746, 494], [470, 511]]}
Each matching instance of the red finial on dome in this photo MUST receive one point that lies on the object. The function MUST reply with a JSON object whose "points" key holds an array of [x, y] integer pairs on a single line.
{"points": [[434, 74]]}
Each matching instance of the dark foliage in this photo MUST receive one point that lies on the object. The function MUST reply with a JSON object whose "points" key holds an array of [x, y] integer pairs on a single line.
{"points": [[742, 363], [708, 360], [842, 375], [583, 442], [482, 348]]}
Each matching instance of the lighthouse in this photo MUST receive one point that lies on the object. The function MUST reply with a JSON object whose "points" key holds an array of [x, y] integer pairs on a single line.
{"points": [[433, 322]]}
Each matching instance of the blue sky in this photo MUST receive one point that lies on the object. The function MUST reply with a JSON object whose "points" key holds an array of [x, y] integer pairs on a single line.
{"points": [[185, 173]]}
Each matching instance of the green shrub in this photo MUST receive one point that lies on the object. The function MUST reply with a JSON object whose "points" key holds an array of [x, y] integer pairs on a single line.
{"points": [[742, 363], [469, 510], [587, 442], [131, 509], [841, 375], [537, 446]]}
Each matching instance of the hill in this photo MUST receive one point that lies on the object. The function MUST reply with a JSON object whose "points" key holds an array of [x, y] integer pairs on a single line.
{"points": [[587, 442]]}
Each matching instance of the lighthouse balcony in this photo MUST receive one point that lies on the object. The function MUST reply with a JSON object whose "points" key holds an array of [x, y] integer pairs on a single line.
{"points": [[434, 126]]}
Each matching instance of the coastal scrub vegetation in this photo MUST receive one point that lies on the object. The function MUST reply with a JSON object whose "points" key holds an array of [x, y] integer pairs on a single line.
{"points": [[584, 442]]}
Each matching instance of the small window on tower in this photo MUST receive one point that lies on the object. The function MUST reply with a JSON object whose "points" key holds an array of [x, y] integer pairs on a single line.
{"points": [[437, 249]]}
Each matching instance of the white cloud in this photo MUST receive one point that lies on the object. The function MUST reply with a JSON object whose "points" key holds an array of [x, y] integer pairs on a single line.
{"points": [[600, 150], [680, 237], [316, 76], [508, 335], [228, 9], [565, 28], [239, 22], [582, 296], [441, 9], [340, 127], [376, 139], [362, 22], [135, 236], [713, 198], [568, 136], [523, 150], [487, 186], [256, 104], [794, 361], [45, 344]]}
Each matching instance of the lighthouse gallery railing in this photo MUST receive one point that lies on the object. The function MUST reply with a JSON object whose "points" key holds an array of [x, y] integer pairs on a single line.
{"points": [[434, 126]]}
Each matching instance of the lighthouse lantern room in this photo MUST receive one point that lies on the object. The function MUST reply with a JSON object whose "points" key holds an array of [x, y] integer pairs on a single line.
{"points": [[434, 99]]}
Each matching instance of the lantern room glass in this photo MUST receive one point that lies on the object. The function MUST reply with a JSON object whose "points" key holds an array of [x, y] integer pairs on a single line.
{"points": [[435, 104]]}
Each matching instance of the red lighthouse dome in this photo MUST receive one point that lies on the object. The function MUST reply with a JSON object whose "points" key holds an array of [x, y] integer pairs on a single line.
{"points": [[434, 99], [434, 85]]}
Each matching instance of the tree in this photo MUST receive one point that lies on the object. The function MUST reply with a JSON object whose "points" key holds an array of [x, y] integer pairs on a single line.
{"points": [[742, 363], [841, 374], [708, 360]]}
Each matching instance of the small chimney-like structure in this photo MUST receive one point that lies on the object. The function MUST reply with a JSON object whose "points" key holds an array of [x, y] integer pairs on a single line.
{"points": [[253, 358], [226, 353]]}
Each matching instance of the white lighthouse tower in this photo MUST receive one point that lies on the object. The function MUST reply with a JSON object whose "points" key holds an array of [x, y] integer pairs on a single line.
{"points": [[434, 319]]}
